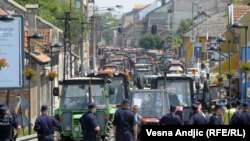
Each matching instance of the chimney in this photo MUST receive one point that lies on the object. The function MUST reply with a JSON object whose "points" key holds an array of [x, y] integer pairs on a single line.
{"points": [[32, 13], [163, 2]]}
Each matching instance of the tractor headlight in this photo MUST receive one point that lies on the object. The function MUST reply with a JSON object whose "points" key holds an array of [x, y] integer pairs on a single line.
{"points": [[77, 129], [68, 128]]}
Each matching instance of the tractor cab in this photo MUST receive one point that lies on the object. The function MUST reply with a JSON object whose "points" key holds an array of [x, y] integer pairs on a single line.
{"points": [[179, 89], [75, 95], [120, 84]]}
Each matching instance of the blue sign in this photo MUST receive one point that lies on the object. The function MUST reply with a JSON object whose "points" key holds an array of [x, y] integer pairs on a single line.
{"points": [[198, 51], [243, 94]]}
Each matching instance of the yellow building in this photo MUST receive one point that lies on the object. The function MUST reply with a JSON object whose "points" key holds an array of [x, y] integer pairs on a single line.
{"points": [[217, 25], [205, 33]]}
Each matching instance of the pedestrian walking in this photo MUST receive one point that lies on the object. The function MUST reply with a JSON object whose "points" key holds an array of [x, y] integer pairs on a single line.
{"points": [[89, 124], [45, 125], [124, 123]]}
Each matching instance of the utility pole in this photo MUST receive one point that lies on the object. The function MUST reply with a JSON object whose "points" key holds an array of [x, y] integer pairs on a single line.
{"points": [[67, 44], [82, 48], [94, 38], [192, 28], [134, 27]]}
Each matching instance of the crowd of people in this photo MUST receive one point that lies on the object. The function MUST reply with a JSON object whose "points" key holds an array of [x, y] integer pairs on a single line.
{"points": [[126, 123]]}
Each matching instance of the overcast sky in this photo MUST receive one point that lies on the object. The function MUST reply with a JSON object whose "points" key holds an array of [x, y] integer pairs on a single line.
{"points": [[127, 4]]}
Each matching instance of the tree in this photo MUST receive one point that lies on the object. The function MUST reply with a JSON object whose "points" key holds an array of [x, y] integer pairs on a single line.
{"points": [[50, 10], [106, 23], [149, 41], [184, 27]]}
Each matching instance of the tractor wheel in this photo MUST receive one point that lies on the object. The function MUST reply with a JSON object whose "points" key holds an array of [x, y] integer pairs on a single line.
{"points": [[109, 134], [63, 138]]}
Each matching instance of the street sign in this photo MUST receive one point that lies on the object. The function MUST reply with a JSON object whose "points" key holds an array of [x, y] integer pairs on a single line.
{"points": [[12, 52], [192, 39]]}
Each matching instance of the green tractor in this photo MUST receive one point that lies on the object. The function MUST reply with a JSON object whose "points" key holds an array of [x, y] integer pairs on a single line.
{"points": [[75, 96]]}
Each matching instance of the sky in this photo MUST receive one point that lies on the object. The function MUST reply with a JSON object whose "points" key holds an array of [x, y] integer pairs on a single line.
{"points": [[127, 4]]}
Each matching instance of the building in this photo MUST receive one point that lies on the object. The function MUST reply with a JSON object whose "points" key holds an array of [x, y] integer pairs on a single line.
{"points": [[40, 55]]}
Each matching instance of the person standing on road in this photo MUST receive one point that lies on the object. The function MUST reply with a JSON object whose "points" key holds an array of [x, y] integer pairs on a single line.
{"points": [[138, 120], [7, 123], [196, 118], [170, 118], [124, 123], [45, 125], [244, 116], [216, 118], [228, 114], [89, 124]]}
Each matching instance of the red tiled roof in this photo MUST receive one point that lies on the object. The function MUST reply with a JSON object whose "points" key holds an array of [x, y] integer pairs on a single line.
{"points": [[46, 40], [139, 6], [2, 11], [239, 11]]}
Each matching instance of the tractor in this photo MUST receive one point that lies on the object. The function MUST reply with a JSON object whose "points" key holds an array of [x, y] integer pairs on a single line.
{"points": [[120, 83], [75, 95]]}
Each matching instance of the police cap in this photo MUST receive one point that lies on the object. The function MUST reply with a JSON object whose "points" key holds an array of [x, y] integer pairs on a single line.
{"points": [[91, 105], [3, 110], [194, 107], [239, 102], [2, 104], [217, 106], [246, 105], [125, 101], [44, 107]]}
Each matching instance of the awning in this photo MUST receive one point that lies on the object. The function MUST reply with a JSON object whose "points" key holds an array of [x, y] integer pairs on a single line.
{"points": [[39, 57]]}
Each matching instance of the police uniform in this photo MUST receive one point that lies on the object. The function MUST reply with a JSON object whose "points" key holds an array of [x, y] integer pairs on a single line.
{"points": [[214, 119], [89, 123], [244, 116], [170, 118], [7, 123], [46, 125], [196, 118], [124, 121]]}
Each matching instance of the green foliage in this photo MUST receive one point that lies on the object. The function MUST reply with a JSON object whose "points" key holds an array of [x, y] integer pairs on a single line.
{"points": [[184, 27], [149, 41], [106, 23], [51, 10]]}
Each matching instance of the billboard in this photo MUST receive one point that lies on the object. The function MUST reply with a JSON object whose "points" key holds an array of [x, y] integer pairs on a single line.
{"points": [[12, 53]]}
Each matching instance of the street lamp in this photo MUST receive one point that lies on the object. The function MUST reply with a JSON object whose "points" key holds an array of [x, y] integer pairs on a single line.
{"points": [[57, 45], [240, 25], [35, 36], [6, 18], [223, 40]]}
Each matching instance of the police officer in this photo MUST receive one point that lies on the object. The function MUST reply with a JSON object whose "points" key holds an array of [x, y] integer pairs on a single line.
{"points": [[89, 124], [45, 125], [7, 123], [244, 117], [170, 118], [124, 123], [196, 118], [216, 117]]}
